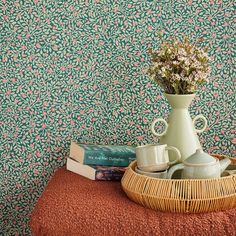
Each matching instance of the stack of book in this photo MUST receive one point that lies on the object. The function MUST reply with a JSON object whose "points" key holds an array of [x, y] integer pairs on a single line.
{"points": [[100, 162]]}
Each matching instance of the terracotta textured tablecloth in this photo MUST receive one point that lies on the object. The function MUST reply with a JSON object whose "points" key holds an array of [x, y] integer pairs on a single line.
{"points": [[73, 205]]}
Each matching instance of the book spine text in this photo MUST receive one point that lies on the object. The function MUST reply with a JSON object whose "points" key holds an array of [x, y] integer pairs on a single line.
{"points": [[107, 159]]}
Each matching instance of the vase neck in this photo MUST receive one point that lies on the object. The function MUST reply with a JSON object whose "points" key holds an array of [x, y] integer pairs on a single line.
{"points": [[180, 101]]}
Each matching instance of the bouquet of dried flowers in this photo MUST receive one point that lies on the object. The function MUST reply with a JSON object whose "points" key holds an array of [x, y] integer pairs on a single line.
{"points": [[179, 67]]}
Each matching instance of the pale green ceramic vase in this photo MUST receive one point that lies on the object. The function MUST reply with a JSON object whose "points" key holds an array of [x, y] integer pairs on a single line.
{"points": [[180, 130]]}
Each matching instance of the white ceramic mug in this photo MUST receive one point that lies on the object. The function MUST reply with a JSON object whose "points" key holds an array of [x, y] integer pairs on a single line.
{"points": [[153, 174], [154, 157]]}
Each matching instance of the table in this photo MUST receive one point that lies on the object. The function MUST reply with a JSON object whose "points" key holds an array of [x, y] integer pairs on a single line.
{"points": [[73, 205]]}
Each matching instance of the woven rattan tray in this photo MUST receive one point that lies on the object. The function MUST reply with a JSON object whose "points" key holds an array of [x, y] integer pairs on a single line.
{"points": [[180, 195]]}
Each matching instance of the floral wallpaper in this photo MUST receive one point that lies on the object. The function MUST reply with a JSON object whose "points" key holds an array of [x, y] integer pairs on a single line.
{"points": [[75, 70]]}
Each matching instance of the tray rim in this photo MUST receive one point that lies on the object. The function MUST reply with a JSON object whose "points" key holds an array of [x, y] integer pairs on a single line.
{"points": [[134, 163]]}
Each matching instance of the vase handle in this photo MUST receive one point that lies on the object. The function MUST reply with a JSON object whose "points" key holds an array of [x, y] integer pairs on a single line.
{"points": [[204, 120], [153, 127]]}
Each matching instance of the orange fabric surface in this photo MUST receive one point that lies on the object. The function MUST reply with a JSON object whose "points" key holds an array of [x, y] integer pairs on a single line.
{"points": [[73, 205]]}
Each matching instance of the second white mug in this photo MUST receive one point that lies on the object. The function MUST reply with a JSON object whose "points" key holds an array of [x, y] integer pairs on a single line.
{"points": [[154, 157]]}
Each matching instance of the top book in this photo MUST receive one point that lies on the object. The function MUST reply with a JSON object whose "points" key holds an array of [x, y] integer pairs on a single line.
{"points": [[106, 155]]}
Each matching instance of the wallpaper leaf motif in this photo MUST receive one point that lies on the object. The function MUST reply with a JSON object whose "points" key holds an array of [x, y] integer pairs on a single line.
{"points": [[74, 70]]}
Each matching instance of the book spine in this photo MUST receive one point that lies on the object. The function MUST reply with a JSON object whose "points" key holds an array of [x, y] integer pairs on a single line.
{"points": [[108, 158], [108, 175]]}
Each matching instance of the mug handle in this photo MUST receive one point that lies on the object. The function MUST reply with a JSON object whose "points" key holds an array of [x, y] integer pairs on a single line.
{"points": [[172, 170], [153, 127], [176, 150], [204, 120]]}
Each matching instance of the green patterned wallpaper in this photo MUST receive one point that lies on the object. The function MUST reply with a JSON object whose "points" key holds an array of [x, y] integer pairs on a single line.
{"points": [[75, 70]]}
